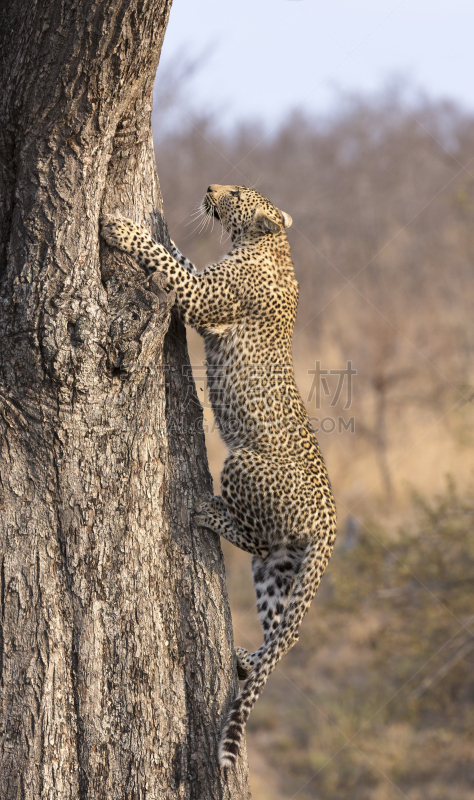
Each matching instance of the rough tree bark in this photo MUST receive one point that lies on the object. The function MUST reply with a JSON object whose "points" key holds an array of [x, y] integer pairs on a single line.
{"points": [[115, 655]]}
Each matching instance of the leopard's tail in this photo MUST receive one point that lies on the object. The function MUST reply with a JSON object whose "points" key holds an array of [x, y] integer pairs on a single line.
{"points": [[313, 564]]}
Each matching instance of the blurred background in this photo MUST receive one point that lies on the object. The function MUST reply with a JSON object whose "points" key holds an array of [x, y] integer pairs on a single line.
{"points": [[358, 120]]}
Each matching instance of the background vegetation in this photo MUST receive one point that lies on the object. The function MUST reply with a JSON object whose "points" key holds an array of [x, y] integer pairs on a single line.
{"points": [[377, 699]]}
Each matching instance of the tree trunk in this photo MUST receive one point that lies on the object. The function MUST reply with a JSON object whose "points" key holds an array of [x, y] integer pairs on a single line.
{"points": [[116, 648]]}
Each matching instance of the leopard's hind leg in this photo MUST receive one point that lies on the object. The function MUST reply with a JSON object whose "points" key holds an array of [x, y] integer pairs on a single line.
{"points": [[313, 564], [274, 577], [213, 513]]}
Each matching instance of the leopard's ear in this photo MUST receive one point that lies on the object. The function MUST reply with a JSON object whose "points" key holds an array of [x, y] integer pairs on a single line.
{"points": [[265, 223], [287, 220]]}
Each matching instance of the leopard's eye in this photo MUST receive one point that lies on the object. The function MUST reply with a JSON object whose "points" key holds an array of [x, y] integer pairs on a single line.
{"points": [[235, 194]]}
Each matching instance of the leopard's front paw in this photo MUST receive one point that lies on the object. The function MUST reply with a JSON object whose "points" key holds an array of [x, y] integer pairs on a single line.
{"points": [[117, 231], [203, 513]]}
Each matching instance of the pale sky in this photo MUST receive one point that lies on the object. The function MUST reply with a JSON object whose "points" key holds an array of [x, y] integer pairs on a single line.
{"points": [[267, 57]]}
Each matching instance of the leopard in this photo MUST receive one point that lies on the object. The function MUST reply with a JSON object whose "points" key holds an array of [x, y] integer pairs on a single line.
{"points": [[276, 501]]}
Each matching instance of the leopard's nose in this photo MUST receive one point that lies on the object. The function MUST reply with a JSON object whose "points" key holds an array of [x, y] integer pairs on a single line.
{"points": [[209, 189]]}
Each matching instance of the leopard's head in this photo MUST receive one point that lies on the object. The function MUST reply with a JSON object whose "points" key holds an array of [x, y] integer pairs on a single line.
{"points": [[244, 211]]}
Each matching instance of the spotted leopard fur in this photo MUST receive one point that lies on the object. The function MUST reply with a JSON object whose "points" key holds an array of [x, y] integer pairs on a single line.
{"points": [[276, 498]]}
